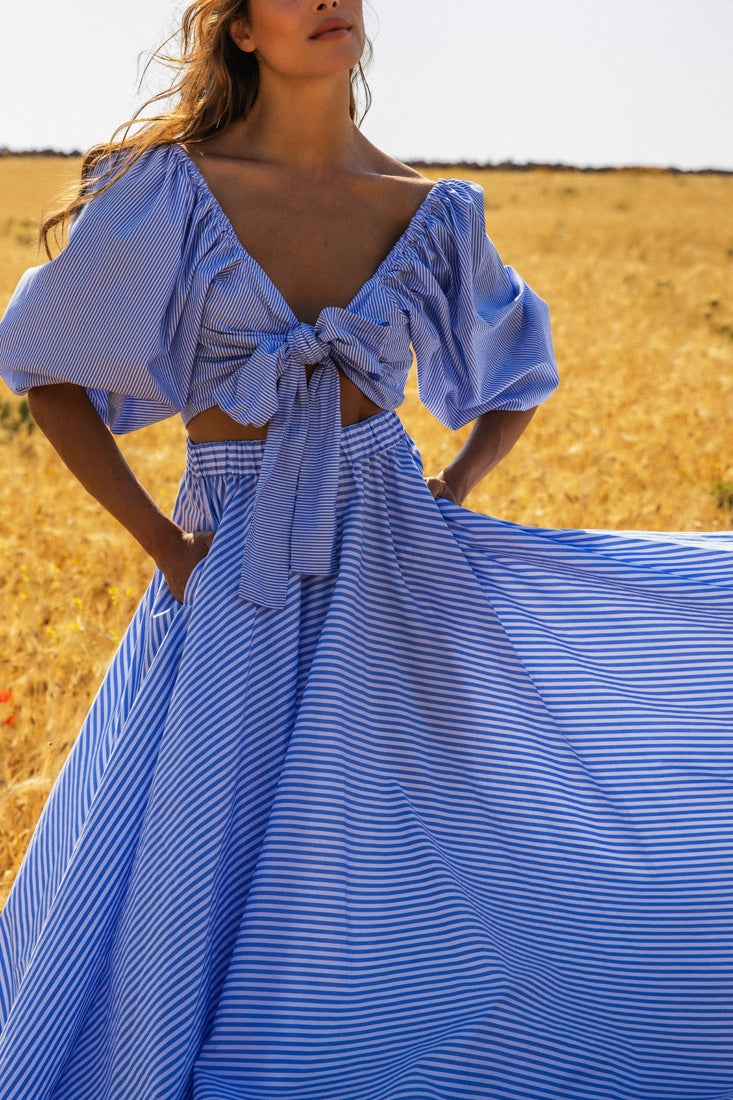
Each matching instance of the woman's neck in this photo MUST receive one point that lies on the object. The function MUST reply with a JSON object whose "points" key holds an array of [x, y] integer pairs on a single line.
{"points": [[303, 125]]}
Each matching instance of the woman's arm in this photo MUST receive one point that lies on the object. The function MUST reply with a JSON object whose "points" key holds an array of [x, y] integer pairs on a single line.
{"points": [[68, 419], [492, 437]]}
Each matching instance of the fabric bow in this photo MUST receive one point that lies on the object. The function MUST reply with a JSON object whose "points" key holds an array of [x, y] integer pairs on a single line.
{"points": [[293, 525]]}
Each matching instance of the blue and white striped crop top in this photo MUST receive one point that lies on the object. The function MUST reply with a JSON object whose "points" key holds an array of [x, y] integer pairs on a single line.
{"points": [[156, 308]]}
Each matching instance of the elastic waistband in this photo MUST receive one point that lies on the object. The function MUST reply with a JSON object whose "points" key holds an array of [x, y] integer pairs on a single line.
{"points": [[377, 433]]}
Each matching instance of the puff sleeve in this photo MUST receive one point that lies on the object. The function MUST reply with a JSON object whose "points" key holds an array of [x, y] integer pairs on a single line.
{"points": [[481, 336], [118, 310]]}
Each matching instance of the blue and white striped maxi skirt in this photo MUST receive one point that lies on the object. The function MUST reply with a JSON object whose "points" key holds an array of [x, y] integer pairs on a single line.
{"points": [[455, 823]]}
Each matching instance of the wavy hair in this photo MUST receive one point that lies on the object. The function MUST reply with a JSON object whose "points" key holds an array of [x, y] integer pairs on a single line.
{"points": [[217, 84]]}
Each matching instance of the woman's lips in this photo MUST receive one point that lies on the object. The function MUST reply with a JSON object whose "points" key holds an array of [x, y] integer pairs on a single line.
{"points": [[339, 32], [332, 28]]}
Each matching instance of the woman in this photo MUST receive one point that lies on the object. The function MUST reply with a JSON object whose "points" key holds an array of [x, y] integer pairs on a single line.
{"points": [[379, 798]]}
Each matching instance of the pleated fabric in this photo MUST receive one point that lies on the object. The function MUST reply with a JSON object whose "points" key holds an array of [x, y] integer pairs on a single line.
{"points": [[453, 823]]}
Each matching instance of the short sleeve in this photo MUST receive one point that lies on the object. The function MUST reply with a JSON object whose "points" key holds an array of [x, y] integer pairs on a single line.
{"points": [[118, 310], [481, 336]]}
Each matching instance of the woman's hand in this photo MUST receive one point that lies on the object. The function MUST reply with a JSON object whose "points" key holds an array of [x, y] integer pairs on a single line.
{"points": [[439, 487], [182, 557], [492, 436]]}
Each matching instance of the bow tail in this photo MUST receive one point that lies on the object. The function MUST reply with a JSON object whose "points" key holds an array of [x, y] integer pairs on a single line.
{"points": [[313, 541], [266, 558]]}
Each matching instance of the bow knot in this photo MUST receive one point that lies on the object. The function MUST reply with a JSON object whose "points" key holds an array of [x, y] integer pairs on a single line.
{"points": [[302, 345]]}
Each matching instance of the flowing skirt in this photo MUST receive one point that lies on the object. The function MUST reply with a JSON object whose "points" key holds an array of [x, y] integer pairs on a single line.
{"points": [[455, 823]]}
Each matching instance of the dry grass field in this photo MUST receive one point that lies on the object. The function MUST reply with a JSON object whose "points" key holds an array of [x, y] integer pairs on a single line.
{"points": [[638, 270]]}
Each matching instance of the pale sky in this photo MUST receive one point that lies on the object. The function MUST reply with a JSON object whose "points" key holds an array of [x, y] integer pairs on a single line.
{"points": [[582, 82]]}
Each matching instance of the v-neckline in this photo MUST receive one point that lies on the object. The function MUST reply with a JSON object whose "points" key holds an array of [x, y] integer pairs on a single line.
{"points": [[389, 258]]}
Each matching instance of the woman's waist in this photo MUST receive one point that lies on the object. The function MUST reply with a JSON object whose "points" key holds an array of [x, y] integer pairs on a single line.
{"points": [[212, 425], [243, 456]]}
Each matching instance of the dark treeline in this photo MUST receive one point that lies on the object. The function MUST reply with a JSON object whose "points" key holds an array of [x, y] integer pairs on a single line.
{"points": [[462, 165], [531, 166], [5, 152]]}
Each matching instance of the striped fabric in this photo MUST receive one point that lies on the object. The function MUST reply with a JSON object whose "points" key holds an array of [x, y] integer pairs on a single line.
{"points": [[453, 822], [157, 308]]}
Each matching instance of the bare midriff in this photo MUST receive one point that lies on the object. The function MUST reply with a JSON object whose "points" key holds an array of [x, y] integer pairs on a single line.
{"points": [[214, 425]]}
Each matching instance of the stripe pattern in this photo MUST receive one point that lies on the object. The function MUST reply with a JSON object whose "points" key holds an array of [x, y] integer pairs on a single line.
{"points": [[455, 822]]}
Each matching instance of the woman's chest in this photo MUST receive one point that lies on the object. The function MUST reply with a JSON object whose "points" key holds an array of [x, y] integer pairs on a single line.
{"points": [[314, 266], [318, 245]]}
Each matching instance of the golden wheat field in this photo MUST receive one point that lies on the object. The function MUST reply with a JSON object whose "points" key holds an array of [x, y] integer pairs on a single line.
{"points": [[637, 267]]}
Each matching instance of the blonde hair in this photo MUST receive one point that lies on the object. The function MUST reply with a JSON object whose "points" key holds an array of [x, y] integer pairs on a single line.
{"points": [[217, 84]]}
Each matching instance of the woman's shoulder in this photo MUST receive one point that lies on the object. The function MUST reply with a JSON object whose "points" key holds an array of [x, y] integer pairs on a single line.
{"points": [[413, 177], [441, 206], [402, 185], [391, 168]]}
